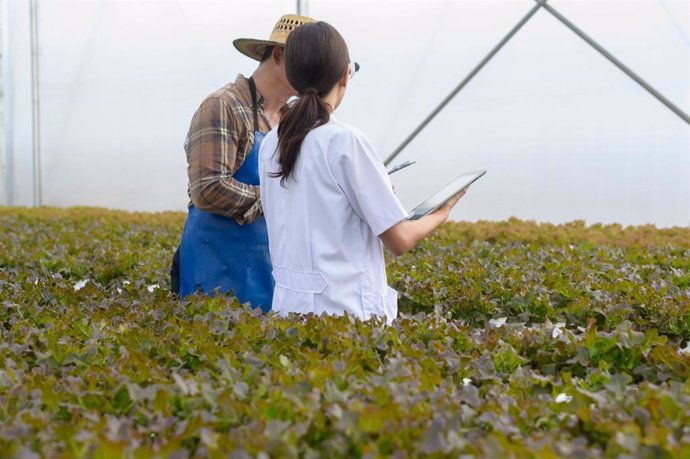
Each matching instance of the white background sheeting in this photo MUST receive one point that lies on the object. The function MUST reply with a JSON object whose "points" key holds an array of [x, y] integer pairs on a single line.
{"points": [[564, 134]]}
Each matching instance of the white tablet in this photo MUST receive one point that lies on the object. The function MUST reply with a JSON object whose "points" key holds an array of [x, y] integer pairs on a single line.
{"points": [[438, 199]]}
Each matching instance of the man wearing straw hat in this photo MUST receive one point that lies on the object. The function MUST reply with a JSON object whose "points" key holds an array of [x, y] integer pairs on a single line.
{"points": [[224, 243]]}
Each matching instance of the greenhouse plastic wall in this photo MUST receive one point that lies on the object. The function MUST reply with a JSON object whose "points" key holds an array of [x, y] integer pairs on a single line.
{"points": [[18, 174], [3, 170], [563, 133]]}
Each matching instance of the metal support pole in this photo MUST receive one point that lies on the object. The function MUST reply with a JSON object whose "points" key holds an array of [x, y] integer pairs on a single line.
{"points": [[36, 102], [464, 82], [617, 63], [303, 10], [7, 95]]}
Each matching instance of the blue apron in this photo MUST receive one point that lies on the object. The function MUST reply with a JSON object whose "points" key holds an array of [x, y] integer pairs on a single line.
{"points": [[218, 253]]}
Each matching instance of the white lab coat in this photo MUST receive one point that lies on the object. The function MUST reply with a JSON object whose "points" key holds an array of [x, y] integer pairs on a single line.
{"points": [[324, 223]]}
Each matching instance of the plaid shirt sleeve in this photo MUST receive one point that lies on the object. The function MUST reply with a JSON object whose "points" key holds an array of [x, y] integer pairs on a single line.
{"points": [[213, 157]]}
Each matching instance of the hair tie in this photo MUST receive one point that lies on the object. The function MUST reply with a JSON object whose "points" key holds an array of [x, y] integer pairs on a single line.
{"points": [[311, 91]]}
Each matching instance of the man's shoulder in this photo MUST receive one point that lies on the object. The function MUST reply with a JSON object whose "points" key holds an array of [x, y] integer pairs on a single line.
{"points": [[231, 94]]}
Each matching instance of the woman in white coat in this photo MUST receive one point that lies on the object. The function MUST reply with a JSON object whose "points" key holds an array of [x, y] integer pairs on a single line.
{"points": [[326, 196]]}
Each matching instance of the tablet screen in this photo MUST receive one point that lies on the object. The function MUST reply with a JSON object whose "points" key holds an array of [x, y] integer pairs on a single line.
{"points": [[437, 200]]}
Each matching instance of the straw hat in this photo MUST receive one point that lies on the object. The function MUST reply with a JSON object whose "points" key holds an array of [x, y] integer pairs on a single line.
{"points": [[256, 48]]}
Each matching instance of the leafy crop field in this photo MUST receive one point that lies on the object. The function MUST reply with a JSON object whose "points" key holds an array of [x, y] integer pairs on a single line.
{"points": [[514, 340]]}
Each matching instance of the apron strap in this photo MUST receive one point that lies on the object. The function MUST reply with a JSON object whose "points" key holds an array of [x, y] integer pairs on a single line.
{"points": [[252, 90]]}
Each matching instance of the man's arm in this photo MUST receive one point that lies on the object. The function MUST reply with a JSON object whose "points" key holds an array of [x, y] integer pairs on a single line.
{"points": [[212, 156]]}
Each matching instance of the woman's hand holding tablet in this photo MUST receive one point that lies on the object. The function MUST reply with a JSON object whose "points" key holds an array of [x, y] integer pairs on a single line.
{"points": [[449, 204], [451, 194], [426, 217]]}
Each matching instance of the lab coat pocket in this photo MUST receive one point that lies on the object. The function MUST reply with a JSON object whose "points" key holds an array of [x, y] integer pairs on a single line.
{"points": [[295, 290]]}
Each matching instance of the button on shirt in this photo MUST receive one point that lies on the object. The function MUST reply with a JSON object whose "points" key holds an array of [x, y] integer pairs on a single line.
{"points": [[220, 138], [324, 222]]}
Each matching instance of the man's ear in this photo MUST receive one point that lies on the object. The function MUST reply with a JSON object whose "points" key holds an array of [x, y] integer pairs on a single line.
{"points": [[277, 54]]}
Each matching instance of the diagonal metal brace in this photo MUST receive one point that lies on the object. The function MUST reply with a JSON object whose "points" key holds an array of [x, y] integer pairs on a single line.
{"points": [[464, 82]]}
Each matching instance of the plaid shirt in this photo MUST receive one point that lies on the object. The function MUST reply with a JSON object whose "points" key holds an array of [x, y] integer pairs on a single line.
{"points": [[220, 138]]}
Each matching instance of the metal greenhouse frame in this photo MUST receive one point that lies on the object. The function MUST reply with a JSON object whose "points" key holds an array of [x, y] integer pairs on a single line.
{"points": [[540, 4]]}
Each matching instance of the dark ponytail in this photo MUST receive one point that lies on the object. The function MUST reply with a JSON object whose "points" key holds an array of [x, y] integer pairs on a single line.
{"points": [[315, 58]]}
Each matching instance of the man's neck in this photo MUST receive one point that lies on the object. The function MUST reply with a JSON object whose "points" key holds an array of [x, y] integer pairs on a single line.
{"points": [[271, 88]]}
